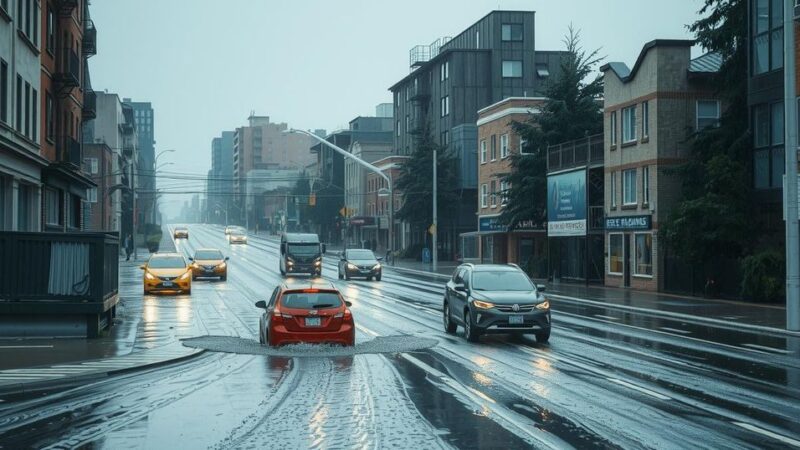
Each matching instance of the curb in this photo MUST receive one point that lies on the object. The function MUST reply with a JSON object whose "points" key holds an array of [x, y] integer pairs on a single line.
{"points": [[40, 385], [419, 272], [684, 317]]}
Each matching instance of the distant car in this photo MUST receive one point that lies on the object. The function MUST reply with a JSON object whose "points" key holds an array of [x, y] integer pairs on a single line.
{"points": [[237, 237], [209, 262], [306, 311], [359, 263], [230, 228], [495, 298], [181, 233], [300, 253], [167, 272]]}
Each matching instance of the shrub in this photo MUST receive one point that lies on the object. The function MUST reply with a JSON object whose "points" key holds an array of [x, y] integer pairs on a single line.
{"points": [[764, 276]]}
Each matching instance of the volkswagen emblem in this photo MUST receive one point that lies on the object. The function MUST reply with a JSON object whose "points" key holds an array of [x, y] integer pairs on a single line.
{"points": [[515, 307]]}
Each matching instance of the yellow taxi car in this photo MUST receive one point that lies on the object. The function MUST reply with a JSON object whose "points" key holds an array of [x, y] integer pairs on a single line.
{"points": [[167, 272], [209, 262], [181, 233]]}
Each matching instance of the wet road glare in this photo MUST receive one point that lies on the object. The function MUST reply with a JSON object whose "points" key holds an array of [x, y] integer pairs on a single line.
{"points": [[623, 380]]}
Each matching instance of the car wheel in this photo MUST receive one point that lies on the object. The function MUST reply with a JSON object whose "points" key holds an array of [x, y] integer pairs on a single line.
{"points": [[340, 274], [543, 336], [378, 277], [449, 326], [223, 278], [470, 331]]}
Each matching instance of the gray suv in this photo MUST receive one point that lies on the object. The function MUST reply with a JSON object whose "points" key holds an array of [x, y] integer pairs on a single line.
{"points": [[495, 298]]}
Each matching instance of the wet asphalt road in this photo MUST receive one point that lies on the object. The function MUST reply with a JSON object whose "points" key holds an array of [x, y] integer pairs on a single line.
{"points": [[617, 381]]}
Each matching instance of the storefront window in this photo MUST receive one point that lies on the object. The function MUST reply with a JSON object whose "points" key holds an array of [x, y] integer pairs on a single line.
{"points": [[644, 254], [615, 259]]}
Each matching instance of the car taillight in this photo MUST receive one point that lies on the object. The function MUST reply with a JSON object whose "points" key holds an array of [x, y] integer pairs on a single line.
{"points": [[277, 316]]}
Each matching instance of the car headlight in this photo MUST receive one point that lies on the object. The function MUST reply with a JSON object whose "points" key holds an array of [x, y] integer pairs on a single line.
{"points": [[544, 305], [351, 266], [376, 267], [149, 276], [318, 262], [222, 265], [185, 276], [289, 263], [482, 305]]}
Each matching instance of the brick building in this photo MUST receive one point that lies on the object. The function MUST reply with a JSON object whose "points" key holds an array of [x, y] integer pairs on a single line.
{"points": [[650, 111], [522, 243]]}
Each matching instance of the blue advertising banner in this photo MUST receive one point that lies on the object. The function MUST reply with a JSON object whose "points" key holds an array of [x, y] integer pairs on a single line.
{"points": [[566, 204], [490, 224], [642, 222]]}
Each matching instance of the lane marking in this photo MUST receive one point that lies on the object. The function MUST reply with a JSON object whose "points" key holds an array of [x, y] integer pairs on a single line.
{"points": [[675, 330], [605, 317], [769, 349], [761, 431], [25, 346], [366, 330], [638, 388]]}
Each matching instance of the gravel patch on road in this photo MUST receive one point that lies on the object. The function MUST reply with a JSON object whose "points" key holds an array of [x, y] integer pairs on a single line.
{"points": [[241, 346]]}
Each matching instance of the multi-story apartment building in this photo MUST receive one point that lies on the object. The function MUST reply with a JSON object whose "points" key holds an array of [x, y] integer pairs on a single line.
{"points": [[64, 100], [144, 120], [452, 79], [263, 145], [221, 178], [98, 211], [21, 160], [650, 111], [376, 222], [523, 242]]}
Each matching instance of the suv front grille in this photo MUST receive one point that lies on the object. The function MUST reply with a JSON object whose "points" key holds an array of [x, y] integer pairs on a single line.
{"points": [[510, 308]]}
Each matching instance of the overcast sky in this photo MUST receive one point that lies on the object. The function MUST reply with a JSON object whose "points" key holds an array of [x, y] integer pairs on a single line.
{"points": [[205, 64]]}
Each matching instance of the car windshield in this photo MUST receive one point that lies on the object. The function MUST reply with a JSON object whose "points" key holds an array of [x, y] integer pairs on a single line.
{"points": [[208, 254], [501, 280], [304, 249], [311, 300], [167, 262], [360, 254]]}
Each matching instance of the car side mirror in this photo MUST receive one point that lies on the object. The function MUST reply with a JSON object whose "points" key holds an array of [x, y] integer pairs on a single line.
{"points": [[324, 248], [349, 304], [540, 287], [143, 267], [261, 304], [460, 288], [379, 258], [227, 258]]}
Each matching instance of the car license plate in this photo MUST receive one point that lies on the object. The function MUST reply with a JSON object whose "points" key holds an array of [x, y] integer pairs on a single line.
{"points": [[312, 321], [167, 283], [515, 320]]}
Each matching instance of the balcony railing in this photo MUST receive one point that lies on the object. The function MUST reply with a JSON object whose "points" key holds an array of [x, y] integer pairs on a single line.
{"points": [[69, 74], [89, 44], [580, 152], [89, 105], [69, 151]]}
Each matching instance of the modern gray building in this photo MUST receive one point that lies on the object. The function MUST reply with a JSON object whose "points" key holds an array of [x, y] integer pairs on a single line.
{"points": [[146, 170], [220, 182], [452, 78]]}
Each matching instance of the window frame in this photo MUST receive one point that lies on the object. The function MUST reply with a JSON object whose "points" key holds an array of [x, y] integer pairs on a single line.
{"points": [[504, 187], [57, 210], [773, 28], [504, 146], [511, 72], [697, 117], [613, 190], [613, 125], [493, 193], [484, 195], [483, 151], [645, 185], [626, 184], [630, 111], [493, 148], [622, 252], [645, 120], [445, 106], [510, 27], [636, 272]]}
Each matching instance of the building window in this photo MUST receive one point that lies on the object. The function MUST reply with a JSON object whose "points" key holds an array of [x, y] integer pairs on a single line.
{"points": [[613, 189], [615, 259], [398, 128], [707, 114], [523, 146], [512, 69], [504, 192], [494, 147], [27, 109], [91, 165], [24, 207], [504, 146], [483, 151], [629, 124], [49, 117], [644, 254], [445, 105], [484, 195], [444, 71], [408, 124], [767, 32], [34, 115], [612, 124], [91, 195], [19, 104], [3, 91], [645, 120], [493, 190], [511, 31], [629, 187], [768, 139], [53, 204], [646, 185], [477, 39], [445, 137]]}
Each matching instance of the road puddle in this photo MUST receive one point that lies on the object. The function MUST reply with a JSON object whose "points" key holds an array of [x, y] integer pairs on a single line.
{"points": [[242, 346]]}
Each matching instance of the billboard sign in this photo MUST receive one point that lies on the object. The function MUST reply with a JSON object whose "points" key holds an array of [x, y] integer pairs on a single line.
{"points": [[566, 204]]}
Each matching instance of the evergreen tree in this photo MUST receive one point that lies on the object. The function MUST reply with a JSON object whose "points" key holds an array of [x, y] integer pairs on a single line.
{"points": [[572, 110], [416, 182], [713, 217]]}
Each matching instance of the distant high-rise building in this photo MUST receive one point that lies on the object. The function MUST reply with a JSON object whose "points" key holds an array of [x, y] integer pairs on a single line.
{"points": [[220, 181], [146, 170]]}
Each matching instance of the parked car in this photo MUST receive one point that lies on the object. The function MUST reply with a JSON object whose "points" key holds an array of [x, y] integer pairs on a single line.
{"points": [[359, 263], [306, 311], [167, 272], [209, 262], [181, 233], [495, 298]]}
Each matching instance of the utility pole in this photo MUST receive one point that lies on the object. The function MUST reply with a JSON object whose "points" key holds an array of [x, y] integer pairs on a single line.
{"points": [[791, 207], [133, 205], [434, 239]]}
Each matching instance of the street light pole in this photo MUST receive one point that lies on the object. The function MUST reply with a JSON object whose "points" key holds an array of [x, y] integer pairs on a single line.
{"points": [[791, 208], [155, 169], [369, 167], [435, 237]]}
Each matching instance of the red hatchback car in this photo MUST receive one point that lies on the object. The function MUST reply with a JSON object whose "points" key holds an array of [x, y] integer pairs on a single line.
{"points": [[306, 311]]}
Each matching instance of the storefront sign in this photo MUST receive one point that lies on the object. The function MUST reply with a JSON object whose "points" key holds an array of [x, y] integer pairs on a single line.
{"points": [[362, 220], [644, 222], [566, 204], [528, 225], [490, 224]]}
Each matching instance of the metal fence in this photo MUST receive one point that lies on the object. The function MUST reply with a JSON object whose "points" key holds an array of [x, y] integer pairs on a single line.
{"points": [[721, 280], [577, 153]]}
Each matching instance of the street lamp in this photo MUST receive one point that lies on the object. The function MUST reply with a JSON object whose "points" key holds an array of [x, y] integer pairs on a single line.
{"points": [[369, 167], [155, 165]]}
